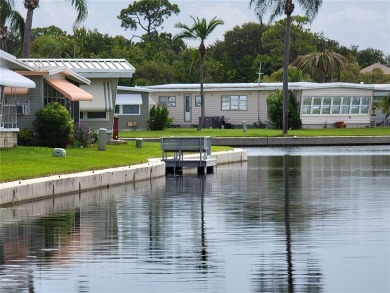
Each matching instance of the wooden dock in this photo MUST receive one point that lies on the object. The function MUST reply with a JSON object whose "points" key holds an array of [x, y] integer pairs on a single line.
{"points": [[175, 148]]}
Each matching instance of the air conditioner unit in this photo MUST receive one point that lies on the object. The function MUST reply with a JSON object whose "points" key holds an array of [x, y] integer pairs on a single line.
{"points": [[23, 109]]}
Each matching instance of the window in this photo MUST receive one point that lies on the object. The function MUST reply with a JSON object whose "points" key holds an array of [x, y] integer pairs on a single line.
{"points": [[94, 115], [234, 103], [127, 109], [167, 101], [198, 101], [335, 105]]}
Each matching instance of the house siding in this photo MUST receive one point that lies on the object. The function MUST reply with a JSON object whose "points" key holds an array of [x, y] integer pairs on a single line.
{"points": [[36, 103], [142, 119], [256, 107]]}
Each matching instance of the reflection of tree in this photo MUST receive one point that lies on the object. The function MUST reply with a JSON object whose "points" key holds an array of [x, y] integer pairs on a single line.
{"points": [[287, 224], [203, 247], [284, 210]]}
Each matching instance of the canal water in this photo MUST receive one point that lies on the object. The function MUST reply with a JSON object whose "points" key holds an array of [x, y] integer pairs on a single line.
{"points": [[289, 220]]}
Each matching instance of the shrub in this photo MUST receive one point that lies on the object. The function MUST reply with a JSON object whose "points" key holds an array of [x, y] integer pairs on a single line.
{"points": [[275, 110], [84, 135], [25, 137], [159, 118], [54, 126]]}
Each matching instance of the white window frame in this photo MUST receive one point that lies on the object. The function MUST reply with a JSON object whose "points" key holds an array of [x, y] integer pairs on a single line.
{"points": [[170, 101], [355, 105], [234, 103], [121, 112]]}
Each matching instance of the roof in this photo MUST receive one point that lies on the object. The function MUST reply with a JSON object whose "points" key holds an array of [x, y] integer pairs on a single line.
{"points": [[9, 61], [13, 79], [87, 67], [209, 87], [54, 71], [369, 69], [133, 89]]}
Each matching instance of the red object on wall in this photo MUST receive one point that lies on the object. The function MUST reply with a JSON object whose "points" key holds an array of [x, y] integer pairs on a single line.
{"points": [[115, 128]]}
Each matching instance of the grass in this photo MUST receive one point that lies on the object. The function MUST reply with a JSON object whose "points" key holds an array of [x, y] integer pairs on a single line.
{"points": [[32, 162], [257, 132]]}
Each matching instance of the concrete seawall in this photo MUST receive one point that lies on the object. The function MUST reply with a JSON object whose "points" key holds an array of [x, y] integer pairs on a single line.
{"points": [[46, 187], [301, 141]]}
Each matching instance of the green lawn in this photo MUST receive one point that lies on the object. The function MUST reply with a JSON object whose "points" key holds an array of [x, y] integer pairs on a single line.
{"points": [[253, 132], [31, 162]]}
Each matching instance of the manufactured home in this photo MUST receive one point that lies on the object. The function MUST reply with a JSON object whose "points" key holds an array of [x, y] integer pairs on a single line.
{"points": [[320, 104], [10, 82], [97, 80]]}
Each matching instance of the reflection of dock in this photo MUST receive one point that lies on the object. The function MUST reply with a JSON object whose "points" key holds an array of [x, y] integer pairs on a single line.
{"points": [[173, 149]]}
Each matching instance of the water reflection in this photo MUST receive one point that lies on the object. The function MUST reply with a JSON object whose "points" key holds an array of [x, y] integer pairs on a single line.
{"points": [[278, 223]]}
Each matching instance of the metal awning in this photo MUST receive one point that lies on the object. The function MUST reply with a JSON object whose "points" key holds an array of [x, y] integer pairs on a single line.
{"points": [[102, 97], [128, 99], [13, 79], [69, 90], [15, 91]]}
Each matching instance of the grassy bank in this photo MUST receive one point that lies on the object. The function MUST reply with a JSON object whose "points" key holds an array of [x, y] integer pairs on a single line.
{"points": [[258, 132], [32, 162]]}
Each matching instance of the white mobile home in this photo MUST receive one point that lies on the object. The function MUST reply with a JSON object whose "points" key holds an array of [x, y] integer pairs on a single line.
{"points": [[320, 104], [10, 81]]}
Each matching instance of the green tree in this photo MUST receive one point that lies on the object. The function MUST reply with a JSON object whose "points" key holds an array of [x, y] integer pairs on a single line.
{"points": [[275, 109], [277, 8], [200, 30], [30, 5], [153, 72], [294, 75], [322, 66], [238, 49], [10, 19], [302, 41], [147, 14], [52, 46], [54, 126], [370, 56], [385, 105]]}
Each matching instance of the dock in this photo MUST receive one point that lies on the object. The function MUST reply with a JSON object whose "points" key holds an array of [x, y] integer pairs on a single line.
{"points": [[176, 150]]}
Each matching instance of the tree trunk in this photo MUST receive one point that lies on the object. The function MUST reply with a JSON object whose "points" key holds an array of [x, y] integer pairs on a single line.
{"points": [[27, 33], [202, 52], [289, 8]]}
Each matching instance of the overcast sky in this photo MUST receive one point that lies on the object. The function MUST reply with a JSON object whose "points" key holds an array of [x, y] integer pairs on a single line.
{"points": [[362, 23]]}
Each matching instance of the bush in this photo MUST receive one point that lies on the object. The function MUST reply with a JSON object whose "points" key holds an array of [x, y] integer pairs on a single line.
{"points": [[54, 126], [84, 135], [25, 137], [159, 118], [275, 110]]}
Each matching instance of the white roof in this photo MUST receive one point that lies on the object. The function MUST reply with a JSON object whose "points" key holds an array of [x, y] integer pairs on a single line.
{"points": [[87, 67], [209, 87], [9, 61], [13, 79]]}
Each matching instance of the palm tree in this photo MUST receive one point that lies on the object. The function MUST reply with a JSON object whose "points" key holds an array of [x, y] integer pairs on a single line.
{"points": [[385, 104], [8, 15], [30, 5], [322, 66], [277, 8], [200, 30]]}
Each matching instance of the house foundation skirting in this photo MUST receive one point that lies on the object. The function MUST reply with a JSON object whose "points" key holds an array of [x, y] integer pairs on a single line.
{"points": [[8, 139]]}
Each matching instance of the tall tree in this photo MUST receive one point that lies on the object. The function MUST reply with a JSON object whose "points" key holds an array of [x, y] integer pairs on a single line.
{"points": [[9, 17], [322, 66], [277, 8], [147, 14], [30, 5], [200, 30]]}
